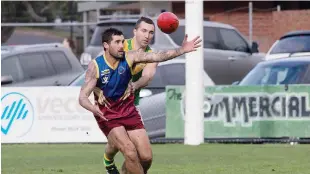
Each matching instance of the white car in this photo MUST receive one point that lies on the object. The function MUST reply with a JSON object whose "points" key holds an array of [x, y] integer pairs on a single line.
{"points": [[284, 71], [295, 43]]}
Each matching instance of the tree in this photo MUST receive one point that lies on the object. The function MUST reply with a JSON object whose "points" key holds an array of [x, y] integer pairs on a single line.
{"points": [[8, 10], [31, 11]]}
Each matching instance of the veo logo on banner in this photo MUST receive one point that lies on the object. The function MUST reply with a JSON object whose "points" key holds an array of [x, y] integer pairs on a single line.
{"points": [[17, 114]]}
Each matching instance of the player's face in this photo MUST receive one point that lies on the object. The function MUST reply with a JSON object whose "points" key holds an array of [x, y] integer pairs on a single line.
{"points": [[116, 46], [144, 33]]}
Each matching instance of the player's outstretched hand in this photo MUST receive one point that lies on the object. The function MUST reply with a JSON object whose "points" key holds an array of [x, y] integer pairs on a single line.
{"points": [[97, 112], [189, 46]]}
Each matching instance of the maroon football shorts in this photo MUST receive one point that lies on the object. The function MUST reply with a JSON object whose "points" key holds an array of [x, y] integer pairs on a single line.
{"points": [[120, 114]]}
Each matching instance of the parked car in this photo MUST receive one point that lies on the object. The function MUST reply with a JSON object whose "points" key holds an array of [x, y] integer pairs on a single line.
{"points": [[153, 102], [295, 42], [227, 54], [38, 65], [284, 71]]}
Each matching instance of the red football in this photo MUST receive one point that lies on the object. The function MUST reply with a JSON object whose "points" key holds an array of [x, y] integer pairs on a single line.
{"points": [[167, 22]]}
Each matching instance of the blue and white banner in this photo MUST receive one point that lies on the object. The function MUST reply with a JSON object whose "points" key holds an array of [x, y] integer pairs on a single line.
{"points": [[46, 115]]}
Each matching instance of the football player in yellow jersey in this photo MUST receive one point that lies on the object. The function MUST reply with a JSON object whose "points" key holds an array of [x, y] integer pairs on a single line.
{"points": [[143, 35]]}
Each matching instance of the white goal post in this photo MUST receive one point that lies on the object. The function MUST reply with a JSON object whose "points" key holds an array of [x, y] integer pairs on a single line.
{"points": [[194, 88]]}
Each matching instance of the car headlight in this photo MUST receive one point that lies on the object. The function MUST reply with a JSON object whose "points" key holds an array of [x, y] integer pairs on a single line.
{"points": [[85, 58]]}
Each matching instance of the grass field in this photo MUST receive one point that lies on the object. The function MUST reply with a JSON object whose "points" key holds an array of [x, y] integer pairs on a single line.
{"points": [[170, 159]]}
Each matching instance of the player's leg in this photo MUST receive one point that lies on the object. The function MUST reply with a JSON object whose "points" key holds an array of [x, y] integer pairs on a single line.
{"points": [[110, 149], [106, 127], [110, 152], [108, 158], [119, 137], [138, 135], [142, 143]]}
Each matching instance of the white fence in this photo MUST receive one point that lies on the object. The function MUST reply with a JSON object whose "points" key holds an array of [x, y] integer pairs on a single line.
{"points": [[46, 115]]}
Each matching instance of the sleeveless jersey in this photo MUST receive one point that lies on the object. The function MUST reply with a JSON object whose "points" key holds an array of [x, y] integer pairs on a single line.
{"points": [[113, 82], [137, 69]]}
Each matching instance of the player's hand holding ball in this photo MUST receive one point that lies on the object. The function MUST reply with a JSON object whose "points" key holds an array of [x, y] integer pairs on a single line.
{"points": [[168, 23]]}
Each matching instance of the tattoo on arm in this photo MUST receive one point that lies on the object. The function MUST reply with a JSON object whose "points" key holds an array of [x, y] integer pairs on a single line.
{"points": [[88, 87], [156, 56]]}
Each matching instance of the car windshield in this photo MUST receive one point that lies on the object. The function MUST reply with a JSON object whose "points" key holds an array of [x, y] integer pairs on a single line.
{"points": [[178, 35], [210, 39], [294, 44], [289, 72], [126, 28]]}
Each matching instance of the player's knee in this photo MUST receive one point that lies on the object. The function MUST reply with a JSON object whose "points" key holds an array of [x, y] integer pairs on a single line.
{"points": [[146, 157], [130, 152]]}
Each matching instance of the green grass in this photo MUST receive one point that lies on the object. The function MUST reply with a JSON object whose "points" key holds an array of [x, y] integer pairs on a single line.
{"points": [[171, 159]]}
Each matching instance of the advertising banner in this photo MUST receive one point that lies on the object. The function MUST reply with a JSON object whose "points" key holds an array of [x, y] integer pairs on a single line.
{"points": [[46, 115], [244, 111]]}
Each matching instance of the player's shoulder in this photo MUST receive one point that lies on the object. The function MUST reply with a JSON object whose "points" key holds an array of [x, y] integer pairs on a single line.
{"points": [[99, 60], [128, 39], [148, 49], [127, 44]]}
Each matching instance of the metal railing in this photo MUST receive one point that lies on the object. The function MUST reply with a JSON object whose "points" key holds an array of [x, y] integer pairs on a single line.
{"points": [[46, 24], [128, 16]]}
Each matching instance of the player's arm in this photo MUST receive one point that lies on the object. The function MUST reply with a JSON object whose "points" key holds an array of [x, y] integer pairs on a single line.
{"points": [[156, 56], [160, 56], [88, 87], [147, 75]]}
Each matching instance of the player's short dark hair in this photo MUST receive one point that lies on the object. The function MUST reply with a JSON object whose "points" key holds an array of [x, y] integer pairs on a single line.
{"points": [[144, 19], [108, 33]]}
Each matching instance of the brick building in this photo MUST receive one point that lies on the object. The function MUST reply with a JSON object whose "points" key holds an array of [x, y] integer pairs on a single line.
{"points": [[268, 23]]}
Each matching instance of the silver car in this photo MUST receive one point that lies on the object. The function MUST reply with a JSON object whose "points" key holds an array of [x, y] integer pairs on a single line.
{"points": [[228, 56], [38, 65]]}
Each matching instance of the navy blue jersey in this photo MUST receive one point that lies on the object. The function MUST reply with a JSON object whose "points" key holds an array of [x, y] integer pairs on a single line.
{"points": [[113, 81]]}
